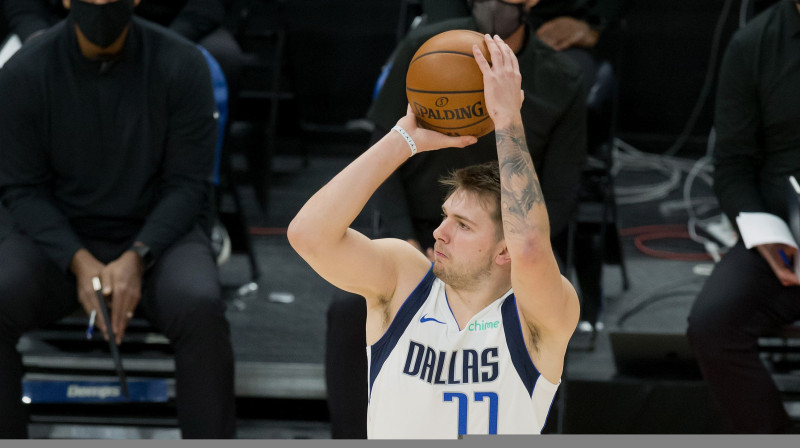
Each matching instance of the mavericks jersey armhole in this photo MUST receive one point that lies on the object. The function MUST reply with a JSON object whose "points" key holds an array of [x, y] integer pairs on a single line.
{"points": [[380, 350], [516, 344]]}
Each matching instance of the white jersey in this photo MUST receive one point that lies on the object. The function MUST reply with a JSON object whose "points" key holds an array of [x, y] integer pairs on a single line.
{"points": [[430, 379]]}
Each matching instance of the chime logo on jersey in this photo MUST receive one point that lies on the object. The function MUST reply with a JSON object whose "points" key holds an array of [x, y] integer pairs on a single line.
{"points": [[482, 326], [457, 367]]}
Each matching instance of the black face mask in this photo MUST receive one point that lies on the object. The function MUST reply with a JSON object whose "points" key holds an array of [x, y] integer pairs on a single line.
{"points": [[102, 24], [497, 17]]}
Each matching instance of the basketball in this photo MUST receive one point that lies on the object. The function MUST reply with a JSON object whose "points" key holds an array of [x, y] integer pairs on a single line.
{"points": [[444, 84]]}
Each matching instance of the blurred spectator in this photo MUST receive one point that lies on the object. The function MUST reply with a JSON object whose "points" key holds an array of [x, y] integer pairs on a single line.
{"points": [[752, 292], [108, 137], [200, 21]]}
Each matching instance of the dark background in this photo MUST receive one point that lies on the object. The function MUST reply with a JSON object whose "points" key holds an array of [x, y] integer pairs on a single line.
{"points": [[335, 49]]}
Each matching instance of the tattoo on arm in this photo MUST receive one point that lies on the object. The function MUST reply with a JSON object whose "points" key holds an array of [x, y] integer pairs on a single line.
{"points": [[520, 189]]}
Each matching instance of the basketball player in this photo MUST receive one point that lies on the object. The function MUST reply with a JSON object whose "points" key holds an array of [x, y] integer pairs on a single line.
{"points": [[475, 343]]}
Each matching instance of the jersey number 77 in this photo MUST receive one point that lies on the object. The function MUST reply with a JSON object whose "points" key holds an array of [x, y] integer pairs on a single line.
{"points": [[463, 408]]}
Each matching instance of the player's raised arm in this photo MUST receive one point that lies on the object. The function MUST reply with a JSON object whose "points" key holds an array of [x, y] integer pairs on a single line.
{"points": [[547, 301], [320, 232]]}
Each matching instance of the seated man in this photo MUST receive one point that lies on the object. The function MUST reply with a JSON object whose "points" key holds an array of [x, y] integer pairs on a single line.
{"points": [[492, 306], [576, 27], [752, 292], [108, 146], [409, 202], [200, 21]]}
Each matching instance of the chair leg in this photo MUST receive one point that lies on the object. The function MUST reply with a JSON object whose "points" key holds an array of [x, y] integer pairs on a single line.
{"points": [[610, 215]]}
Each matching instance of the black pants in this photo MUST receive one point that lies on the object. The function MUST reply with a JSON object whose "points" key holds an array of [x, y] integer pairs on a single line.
{"points": [[181, 296], [741, 300]]}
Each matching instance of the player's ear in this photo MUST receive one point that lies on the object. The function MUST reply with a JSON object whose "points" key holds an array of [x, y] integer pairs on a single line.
{"points": [[503, 257]]}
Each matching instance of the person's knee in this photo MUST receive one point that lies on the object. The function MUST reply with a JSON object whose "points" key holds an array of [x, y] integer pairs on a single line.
{"points": [[15, 318], [195, 313], [707, 326]]}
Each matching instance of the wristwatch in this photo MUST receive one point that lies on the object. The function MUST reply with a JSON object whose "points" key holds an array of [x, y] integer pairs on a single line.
{"points": [[145, 254]]}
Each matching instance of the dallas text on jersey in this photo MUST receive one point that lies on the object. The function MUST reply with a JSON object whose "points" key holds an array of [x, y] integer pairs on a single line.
{"points": [[429, 365]]}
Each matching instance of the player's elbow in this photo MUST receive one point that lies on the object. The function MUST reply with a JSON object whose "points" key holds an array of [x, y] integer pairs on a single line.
{"points": [[300, 235], [531, 249]]}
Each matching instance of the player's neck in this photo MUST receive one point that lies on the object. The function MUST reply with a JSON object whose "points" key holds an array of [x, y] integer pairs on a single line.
{"points": [[467, 302]]}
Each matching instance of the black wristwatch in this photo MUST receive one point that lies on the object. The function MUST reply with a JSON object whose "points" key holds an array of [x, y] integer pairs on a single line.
{"points": [[145, 255]]}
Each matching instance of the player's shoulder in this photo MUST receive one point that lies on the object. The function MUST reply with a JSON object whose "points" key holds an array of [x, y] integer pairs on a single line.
{"points": [[403, 253], [411, 264]]}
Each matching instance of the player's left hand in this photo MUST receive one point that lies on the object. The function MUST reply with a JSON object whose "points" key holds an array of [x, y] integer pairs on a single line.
{"points": [[428, 140]]}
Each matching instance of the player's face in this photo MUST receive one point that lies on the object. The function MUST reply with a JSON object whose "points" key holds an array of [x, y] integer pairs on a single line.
{"points": [[466, 241]]}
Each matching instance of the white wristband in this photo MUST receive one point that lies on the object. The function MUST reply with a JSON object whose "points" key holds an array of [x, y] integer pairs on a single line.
{"points": [[408, 138]]}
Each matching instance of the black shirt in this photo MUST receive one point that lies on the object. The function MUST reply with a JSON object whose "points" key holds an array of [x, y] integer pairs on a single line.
{"points": [[553, 114], [757, 116], [113, 150], [192, 19]]}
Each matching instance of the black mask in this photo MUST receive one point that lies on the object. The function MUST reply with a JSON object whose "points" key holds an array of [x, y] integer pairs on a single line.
{"points": [[497, 17], [102, 24]]}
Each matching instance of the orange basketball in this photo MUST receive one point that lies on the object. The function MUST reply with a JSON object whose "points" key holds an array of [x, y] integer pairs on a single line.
{"points": [[444, 84]]}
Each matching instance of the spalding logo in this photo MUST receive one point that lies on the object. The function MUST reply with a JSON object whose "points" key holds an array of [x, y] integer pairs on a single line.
{"points": [[474, 111], [442, 101]]}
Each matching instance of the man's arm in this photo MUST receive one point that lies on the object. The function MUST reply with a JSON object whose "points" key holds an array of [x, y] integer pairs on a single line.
{"points": [[564, 161], [198, 18], [546, 300], [391, 204], [25, 174], [188, 159], [577, 23], [320, 232], [25, 182], [738, 154], [738, 121]]}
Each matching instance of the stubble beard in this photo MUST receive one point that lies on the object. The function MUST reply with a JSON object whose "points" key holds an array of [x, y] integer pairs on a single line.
{"points": [[461, 278]]}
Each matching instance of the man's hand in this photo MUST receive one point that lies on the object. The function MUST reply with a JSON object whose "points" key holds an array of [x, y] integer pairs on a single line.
{"points": [[772, 253], [427, 140], [502, 82], [565, 32], [122, 279], [85, 266]]}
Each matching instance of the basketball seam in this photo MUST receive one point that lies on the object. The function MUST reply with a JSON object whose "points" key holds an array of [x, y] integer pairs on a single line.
{"points": [[441, 52], [443, 91], [459, 127]]}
